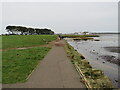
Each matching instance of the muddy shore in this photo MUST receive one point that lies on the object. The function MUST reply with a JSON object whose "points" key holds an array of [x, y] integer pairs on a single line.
{"points": [[111, 59], [99, 56], [113, 49]]}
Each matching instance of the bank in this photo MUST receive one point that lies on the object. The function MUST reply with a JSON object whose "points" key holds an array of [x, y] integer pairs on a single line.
{"points": [[91, 77]]}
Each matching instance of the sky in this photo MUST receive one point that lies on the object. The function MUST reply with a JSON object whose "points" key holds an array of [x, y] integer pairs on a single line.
{"points": [[62, 17]]}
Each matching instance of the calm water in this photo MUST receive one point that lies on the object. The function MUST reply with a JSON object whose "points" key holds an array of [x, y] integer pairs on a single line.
{"points": [[93, 49]]}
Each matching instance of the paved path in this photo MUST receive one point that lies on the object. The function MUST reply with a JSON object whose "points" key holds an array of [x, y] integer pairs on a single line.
{"points": [[55, 71]]}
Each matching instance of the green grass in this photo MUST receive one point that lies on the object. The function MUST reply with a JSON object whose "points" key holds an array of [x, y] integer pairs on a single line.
{"points": [[18, 64], [0, 42], [16, 41], [0, 59]]}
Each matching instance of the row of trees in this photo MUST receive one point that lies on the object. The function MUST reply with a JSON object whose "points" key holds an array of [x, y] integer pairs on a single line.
{"points": [[27, 31]]}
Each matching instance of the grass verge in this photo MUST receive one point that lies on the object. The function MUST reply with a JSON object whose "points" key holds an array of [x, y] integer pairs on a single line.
{"points": [[18, 64], [92, 78]]}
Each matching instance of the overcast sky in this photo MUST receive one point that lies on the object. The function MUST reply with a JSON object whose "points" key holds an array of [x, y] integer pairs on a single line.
{"points": [[62, 17]]}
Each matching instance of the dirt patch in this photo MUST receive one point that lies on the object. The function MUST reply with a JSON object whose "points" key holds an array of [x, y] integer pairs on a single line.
{"points": [[21, 48], [50, 44], [24, 47], [59, 44]]}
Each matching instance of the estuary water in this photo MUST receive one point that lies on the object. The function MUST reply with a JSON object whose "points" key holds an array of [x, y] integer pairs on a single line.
{"points": [[96, 53]]}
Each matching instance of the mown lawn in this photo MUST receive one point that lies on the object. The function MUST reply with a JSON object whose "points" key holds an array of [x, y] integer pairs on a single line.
{"points": [[18, 64], [0, 59], [16, 41]]}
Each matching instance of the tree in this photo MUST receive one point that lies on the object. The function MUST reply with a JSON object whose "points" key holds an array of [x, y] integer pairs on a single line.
{"points": [[38, 31], [30, 31], [85, 32], [10, 29]]}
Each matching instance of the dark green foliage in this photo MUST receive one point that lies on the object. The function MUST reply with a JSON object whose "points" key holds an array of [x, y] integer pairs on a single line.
{"points": [[87, 73], [28, 31], [82, 57], [96, 73], [72, 61]]}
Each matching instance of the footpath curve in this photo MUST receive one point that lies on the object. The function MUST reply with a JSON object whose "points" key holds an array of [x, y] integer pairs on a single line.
{"points": [[54, 71]]}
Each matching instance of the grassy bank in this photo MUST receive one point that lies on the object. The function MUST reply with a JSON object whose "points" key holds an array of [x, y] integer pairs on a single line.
{"points": [[82, 38], [92, 78], [18, 64], [16, 41], [78, 36]]}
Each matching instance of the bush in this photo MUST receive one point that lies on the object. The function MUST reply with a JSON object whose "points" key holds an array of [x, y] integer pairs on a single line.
{"points": [[82, 57]]}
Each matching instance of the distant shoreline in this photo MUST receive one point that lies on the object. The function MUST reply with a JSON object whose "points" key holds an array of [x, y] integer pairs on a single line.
{"points": [[91, 33], [105, 33]]}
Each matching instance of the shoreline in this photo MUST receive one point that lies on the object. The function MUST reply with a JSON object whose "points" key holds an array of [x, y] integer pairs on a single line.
{"points": [[92, 50], [92, 77]]}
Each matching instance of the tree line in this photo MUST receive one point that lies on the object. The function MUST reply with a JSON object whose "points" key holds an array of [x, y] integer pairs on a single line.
{"points": [[13, 30]]}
